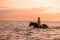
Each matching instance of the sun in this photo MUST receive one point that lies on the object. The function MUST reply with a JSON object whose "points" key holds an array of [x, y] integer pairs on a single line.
{"points": [[52, 6], [49, 3]]}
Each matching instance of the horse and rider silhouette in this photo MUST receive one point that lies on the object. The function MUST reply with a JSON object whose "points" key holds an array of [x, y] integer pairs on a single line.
{"points": [[38, 24]]}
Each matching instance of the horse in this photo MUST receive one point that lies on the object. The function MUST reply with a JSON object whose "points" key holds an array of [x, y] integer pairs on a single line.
{"points": [[38, 26], [34, 24]]}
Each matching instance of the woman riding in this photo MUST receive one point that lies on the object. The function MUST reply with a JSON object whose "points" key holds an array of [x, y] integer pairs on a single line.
{"points": [[38, 21]]}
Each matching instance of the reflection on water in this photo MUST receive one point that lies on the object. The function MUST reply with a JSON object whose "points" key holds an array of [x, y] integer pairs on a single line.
{"points": [[21, 31]]}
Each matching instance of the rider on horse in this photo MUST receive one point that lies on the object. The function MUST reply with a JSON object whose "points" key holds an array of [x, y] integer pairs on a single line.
{"points": [[38, 21]]}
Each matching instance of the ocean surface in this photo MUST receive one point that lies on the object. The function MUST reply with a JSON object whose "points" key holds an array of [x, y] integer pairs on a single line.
{"points": [[20, 30]]}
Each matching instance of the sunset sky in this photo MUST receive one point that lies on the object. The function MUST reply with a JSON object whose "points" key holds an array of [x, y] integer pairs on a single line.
{"points": [[29, 10]]}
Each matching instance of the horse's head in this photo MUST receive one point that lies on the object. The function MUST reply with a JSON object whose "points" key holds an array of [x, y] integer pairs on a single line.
{"points": [[33, 24], [30, 24]]}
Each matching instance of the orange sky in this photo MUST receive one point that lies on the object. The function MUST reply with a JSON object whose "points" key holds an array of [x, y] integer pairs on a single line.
{"points": [[29, 10]]}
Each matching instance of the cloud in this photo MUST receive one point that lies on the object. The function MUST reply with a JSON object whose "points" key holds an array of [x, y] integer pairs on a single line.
{"points": [[30, 3]]}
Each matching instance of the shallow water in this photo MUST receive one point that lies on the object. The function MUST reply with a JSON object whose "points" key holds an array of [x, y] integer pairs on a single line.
{"points": [[21, 31]]}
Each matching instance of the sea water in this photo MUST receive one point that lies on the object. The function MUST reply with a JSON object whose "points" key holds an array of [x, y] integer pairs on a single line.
{"points": [[20, 30]]}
